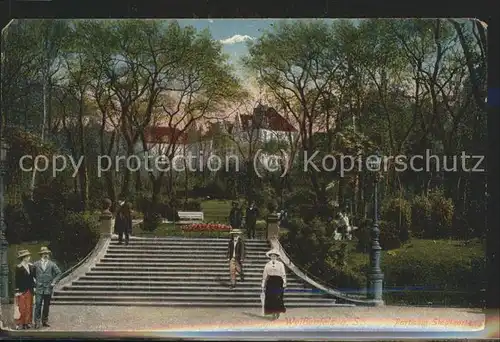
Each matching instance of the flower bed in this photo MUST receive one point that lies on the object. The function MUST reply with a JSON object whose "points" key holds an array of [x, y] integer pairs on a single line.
{"points": [[206, 227]]}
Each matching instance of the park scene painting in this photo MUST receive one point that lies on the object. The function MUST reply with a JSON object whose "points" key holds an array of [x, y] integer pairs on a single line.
{"points": [[160, 174]]}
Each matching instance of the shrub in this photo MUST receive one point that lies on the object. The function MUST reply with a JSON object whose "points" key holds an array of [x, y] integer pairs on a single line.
{"points": [[346, 279], [260, 225], [264, 196], [271, 206], [301, 204], [462, 229], [397, 212], [77, 235], [153, 213], [441, 215], [421, 209], [362, 235], [389, 235], [151, 221], [436, 271], [19, 228], [192, 205], [48, 209]]}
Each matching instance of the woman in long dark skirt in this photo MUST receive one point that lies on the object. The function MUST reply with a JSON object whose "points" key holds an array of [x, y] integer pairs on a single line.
{"points": [[273, 285]]}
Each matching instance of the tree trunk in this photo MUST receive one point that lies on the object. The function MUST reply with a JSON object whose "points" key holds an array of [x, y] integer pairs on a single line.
{"points": [[84, 178], [186, 184], [138, 182], [125, 190], [110, 185]]}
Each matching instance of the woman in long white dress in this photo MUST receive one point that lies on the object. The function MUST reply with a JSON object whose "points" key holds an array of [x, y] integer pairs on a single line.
{"points": [[273, 285]]}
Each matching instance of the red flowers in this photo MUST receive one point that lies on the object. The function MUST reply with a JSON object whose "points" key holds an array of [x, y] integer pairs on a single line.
{"points": [[206, 227]]}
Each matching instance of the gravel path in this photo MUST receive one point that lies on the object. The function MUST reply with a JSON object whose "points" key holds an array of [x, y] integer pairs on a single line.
{"points": [[107, 318]]}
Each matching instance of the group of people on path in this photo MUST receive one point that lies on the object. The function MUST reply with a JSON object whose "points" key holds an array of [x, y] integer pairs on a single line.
{"points": [[273, 278], [34, 283]]}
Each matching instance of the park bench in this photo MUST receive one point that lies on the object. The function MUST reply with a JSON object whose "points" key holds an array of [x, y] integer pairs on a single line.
{"points": [[195, 216]]}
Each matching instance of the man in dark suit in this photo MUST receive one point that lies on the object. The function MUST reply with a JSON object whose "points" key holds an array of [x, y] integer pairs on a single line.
{"points": [[235, 216], [47, 274], [235, 255], [251, 220]]}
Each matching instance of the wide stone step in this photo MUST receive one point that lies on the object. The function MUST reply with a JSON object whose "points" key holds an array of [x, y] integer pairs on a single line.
{"points": [[187, 273], [179, 281], [242, 287], [161, 267], [159, 249], [174, 260], [185, 257], [206, 282], [134, 241], [186, 298], [184, 253], [173, 303], [227, 293], [183, 263]]}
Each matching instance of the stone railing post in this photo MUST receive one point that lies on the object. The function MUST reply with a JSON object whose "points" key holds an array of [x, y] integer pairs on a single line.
{"points": [[273, 229], [106, 219]]}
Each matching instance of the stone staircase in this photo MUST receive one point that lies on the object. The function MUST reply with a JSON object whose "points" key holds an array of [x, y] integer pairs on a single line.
{"points": [[179, 272]]}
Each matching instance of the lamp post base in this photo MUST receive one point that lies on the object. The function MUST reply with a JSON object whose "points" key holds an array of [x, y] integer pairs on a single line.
{"points": [[378, 302], [375, 287]]}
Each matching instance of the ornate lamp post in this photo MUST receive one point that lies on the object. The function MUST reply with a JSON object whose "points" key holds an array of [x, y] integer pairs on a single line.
{"points": [[375, 275]]}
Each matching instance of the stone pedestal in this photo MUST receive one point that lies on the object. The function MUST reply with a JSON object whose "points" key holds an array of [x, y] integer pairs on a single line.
{"points": [[106, 219], [272, 227]]}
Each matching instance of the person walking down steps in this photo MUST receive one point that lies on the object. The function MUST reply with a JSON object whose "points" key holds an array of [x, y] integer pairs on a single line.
{"points": [[235, 256], [123, 223], [273, 285], [25, 288], [47, 274]]}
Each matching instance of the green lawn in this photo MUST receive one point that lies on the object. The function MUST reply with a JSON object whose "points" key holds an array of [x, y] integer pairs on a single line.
{"points": [[171, 229], [433, 250], [216, 210]]}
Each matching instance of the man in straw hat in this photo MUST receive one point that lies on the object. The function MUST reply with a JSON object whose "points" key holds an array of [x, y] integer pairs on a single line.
{"points": [[25, 287], [47, 274], [273, 285], [235, 256]]}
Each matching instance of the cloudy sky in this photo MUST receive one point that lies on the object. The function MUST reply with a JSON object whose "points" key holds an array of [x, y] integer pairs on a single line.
{"points": [[233, 33]]}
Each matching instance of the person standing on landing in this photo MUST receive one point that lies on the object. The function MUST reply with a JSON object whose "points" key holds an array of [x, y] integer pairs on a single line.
{"points": [[251, 220], [123, 223], [273, 285], [235, 216], [235, 255], [25, 288], [47, 274]]}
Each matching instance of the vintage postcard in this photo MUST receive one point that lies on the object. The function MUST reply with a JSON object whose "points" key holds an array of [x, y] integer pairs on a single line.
{"points": [[244, 177]]}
